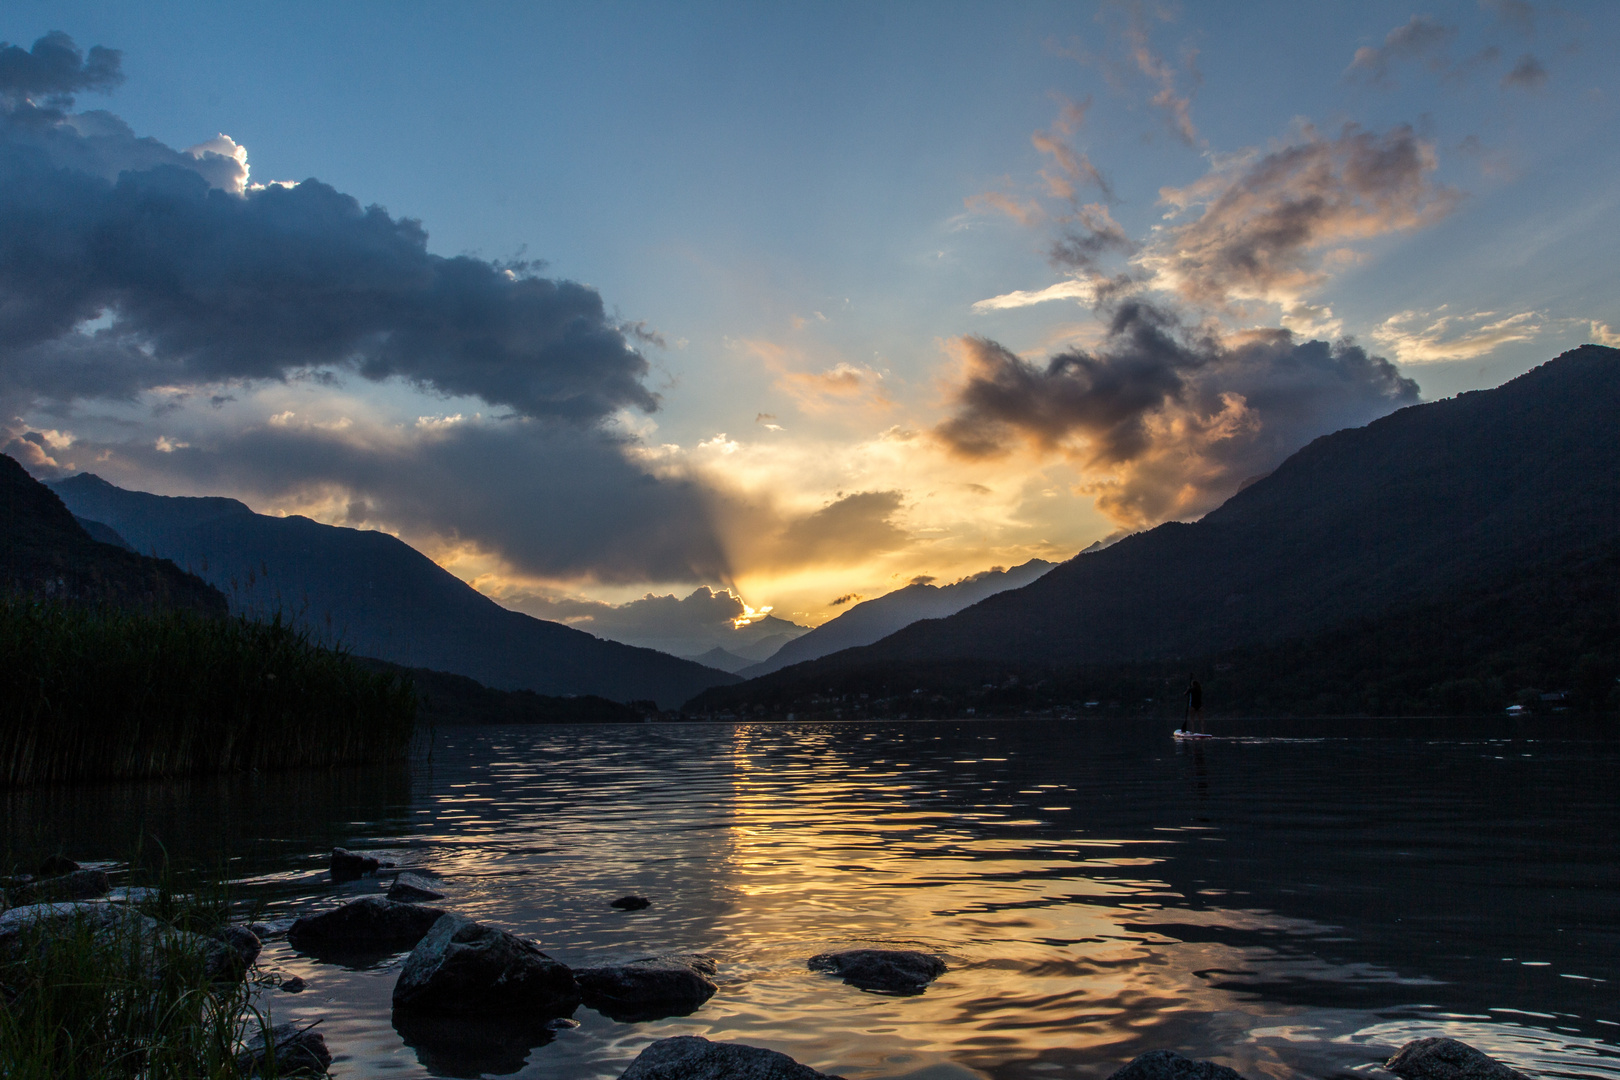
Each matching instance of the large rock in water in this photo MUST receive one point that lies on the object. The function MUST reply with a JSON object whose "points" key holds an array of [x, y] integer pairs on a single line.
{"points": [[891, 971], [350, 865], [370, 922], [649, 989], [413, 889], [466, 967], [1447, 1059], [691, 1057], [1169, 1065], [285, 1050]]}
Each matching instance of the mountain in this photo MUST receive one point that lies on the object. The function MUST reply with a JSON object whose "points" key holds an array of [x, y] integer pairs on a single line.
{"points": [[377, 596], [44, 551], [722, 660], [1543, 637], [875, 619], [1403, 511]]}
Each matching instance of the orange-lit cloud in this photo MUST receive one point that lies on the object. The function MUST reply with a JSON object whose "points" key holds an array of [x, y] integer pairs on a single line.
{"points": [[1427, 337], [1267, 226]]}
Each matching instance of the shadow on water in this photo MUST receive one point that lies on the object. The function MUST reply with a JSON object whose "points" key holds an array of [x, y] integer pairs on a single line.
{"points": [[461, 1046], [1289, 898]]}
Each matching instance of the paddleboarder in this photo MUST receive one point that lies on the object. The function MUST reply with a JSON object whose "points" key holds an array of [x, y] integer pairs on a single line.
{"points": [[1195, 705]]}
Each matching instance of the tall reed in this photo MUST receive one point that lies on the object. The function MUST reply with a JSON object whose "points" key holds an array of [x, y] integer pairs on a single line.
{"points": [[90, 693]]}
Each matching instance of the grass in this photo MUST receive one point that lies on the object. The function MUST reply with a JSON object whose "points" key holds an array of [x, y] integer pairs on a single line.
{"points": [[91, 1000], [101, 693]]}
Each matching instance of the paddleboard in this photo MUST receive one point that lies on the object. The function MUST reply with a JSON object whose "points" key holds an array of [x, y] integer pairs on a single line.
{"points": [[1192, 735]]}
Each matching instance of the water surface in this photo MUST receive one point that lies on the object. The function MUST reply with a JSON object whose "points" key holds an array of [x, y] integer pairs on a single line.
{"points": [[1295, 899]]}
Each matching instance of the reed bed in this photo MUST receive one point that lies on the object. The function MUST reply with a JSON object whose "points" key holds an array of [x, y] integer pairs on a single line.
{"points": [[91, 694]]}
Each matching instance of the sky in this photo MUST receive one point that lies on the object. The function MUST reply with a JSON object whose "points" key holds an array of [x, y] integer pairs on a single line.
{"points": [[629, 314]]}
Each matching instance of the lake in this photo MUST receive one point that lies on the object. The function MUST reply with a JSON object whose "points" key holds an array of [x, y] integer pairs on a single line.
{"points": [[1294, 899]]}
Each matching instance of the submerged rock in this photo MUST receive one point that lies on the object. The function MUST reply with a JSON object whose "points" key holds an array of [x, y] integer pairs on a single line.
{"points": [[649, 989], [370, 922], [1169, 1065], [473, 1045], [72, 885], [294, 985], [57, 865], [465, 967], [692, 1057], [287, 1051], [1447, 1059], [411, 889], [631, 903], [891, 971], [243, 941], [349, 865]]}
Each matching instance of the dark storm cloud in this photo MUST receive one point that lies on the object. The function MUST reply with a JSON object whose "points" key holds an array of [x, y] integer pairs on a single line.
{"points": [[47, 76], [556, 503], [199, 283], [1175, 417]]}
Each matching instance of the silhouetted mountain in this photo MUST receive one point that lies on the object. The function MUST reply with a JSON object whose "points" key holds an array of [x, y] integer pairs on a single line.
{"points": [[106, 534], [377, 596], [1403, 511], [448, 700], [45, 552], [873, 620], [1544, 637], [722, 660]]}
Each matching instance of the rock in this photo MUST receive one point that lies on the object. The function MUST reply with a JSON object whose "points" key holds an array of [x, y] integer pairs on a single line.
{"points": [[631, 903], [57, 865], [692, 1057], [890, 971], [561, 1023], [146, 940], [368, 923], [1169, 1065], [294, 985], [466, 967], [409, 889], [649, 989], [244, 942], [348, 865], [74, 885], [288, 1050], [1447, 1059]]}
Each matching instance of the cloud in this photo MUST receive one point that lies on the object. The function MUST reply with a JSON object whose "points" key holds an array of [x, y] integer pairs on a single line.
{"points": [[46, 78], [852, 528], [1267, 223], [548, 502], [847, 598], [1602, 335], [189, 278], [1430, 337], [1023, 211], [833, 389], [1527, 74], [1420, 38], [1074, 289], [1167, 97], [1165, 422]]}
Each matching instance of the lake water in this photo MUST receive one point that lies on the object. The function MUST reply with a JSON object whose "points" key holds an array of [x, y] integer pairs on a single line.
{"points": [[1293, 900]]}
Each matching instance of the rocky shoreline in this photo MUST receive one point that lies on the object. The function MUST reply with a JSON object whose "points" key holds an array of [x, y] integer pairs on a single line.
{"points": [[461, 971]]}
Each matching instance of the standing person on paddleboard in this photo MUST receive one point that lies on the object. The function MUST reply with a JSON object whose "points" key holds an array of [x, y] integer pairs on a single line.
{"points": [[1195, 705]]}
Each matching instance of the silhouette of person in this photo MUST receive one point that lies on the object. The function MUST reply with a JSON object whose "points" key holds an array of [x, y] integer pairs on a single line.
{"points": [[1195, 705]]}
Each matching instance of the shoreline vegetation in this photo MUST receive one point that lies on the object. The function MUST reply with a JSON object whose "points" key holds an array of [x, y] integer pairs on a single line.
{"points": [[102, 693], [146, 982]]}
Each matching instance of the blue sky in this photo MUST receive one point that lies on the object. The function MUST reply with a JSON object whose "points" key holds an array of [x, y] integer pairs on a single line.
{"points": [[800, 202]]}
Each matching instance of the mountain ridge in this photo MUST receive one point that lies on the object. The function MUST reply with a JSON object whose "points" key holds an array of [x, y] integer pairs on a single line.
{"points": [[1352, 524], [379, 597]]}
